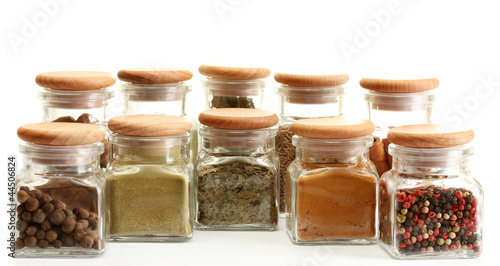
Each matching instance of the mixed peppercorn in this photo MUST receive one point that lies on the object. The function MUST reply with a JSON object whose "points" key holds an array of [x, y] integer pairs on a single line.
{"points": [[436, 219]]}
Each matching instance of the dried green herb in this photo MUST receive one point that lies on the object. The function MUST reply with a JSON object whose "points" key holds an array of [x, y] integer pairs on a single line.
{"points": [[286, 152], [231, 102], [237, 193]]}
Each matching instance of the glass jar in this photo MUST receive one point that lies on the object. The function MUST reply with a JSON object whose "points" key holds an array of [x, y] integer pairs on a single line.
{"points": [[304, 96], [148, 180], [236, 171], [233, 87], [393, 103], [332, 186], [431, 206], [59, 191]]}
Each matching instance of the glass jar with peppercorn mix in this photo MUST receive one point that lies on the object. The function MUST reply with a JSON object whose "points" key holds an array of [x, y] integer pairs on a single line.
{"points": [[431, 206], [59, 191], [77, 97], [148, 181], [158, 91], [236, 171], [304, 96], [233, 87], [331, 187], [393, 103]]}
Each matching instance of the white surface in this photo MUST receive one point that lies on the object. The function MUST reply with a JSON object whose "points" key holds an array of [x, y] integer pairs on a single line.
{"points": [[456, 41]]}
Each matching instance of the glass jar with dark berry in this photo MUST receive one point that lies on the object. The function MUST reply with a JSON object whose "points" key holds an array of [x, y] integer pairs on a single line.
{"points": [[60, 191], [431, 206]]}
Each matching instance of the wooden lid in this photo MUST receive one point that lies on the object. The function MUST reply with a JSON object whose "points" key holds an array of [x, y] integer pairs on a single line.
{"points": [[149, 125], [311, 80], [399, 86], [75, 80], [429, 136], [233, 72], [332, 128], [154, 75], [61, 134], [238, 118]]}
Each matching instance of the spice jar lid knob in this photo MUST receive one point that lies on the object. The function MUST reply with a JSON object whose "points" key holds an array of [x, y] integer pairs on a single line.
{"points": [[154, 75], [149, 125], [75, 80], [234, 72], [429, 136], [332, 128], [238, 118], [399, 85], [61, 133]]}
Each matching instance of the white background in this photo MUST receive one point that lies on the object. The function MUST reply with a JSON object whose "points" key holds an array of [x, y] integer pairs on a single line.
{"points": [[456, 41]]}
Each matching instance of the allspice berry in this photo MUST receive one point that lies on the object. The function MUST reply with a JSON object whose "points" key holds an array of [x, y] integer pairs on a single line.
{"points": [[48, 208], [51, 236], [23, 235], [68, 225], [45, 199], [26, 216], [43, 243], [38, 193], [31, 204], [82, 214], [57, 216], [97, 245], [93, 223], [46, 225], [85, 223], [38, 216], [87, 119], [68, 119], [79, 234], [19, 244], [31, 230], [22, 196], [21, 225], [93, 234], [30, 242], [25, 188], [57, 244], [58, 204], [20, 210], [68, 240], [87, 241], [40, 234]]}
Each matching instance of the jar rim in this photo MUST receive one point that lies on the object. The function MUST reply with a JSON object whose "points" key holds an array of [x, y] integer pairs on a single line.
{"points": [[232, 87], [334, 147], [399, 101], [155, 92], [75, 99], [149, 142], [430, 157], [235, 138], [61, 155]]}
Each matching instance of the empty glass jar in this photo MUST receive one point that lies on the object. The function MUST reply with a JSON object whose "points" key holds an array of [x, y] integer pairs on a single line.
{"points": [[332, 186], [304, 96], [59, 191], [431, 206], [233, 87], [236, 171]]}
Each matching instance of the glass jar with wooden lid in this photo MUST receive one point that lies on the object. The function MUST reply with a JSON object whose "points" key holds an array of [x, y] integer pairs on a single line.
{"points": [[233, 86], [60, 191], [300, 97], [431, 206], [331, 187]]}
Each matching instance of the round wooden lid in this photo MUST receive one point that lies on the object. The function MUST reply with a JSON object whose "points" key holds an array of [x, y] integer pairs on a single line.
{"points": [[149, 125], [234, 72], [154, 75], [75, 80], [429, 136], [332, 128], [61, 134], [399, 86], [311, 80], [238, 118]]}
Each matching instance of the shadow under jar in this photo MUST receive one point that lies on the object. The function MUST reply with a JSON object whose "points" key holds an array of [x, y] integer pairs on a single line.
{"points": [[300, 97], [148, 181], [331, 190], [431, 206], [59, 191], [392, 103], [233, 87], [236, 171]]}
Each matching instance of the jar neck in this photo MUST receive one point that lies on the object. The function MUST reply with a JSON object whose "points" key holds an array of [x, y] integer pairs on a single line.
{"points": [[431, 163], [169, 99], [310, 102], [237, 142], [332, 151]]}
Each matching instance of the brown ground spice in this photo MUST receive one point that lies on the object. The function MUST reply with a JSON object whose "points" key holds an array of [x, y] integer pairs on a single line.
{"points": [[286, 152], [336, 203]]}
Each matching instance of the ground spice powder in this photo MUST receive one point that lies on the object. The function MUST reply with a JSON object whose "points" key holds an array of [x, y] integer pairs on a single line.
{"points": [[336, 203], [286, 152]]}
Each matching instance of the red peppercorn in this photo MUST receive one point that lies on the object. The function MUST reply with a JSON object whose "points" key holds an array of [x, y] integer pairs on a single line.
{"points": [[431, 214], [468, 232], [444, 236], [437, 196], [401, 197], [474, 228], [415, 218], [475, 201], [461, 207], [462, 225], [453, 247], [459, 194], [402, 245], [420, 221], [420, 238], [436, 232], [409, 229], [453, 217], [470, 246], [406, 205], [431, 238], [407, 235]]}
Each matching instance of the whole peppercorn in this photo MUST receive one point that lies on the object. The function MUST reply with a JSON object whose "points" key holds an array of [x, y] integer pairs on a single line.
{"points": [[57, 244], [25, 188], [38, 216], [425, 243], [78, 234], [40, 234], [22, 196], [68, 241], [48, 208], [434, 201], [467, 207], [43, 243], [20, 210], [87, 241], [93, 234], [454, 200], [466, 214], [23, 235], [68, 225], [21, 225], [45, 198], [57, 216], [97, 245], [461, 232], [58, 204], [38, 193], [30, 241], [51, 236], [70, 214], [93, 223], [26, 216], [414, 208], [46, 225], [82, 214], [31, 204], [438, 210], [31, 230], [19, 244]]}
